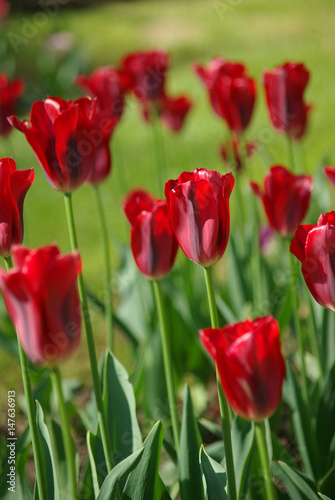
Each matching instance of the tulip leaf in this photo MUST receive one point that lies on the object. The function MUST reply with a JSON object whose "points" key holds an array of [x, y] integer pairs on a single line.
{"points": [[21, 470], [47, 456], [214, 477], [325, 424], [243, 436], [119, 402], [97, 461], [327, 484], [144, 481], [302, 486], [190, 441], [108, 488], [57, 442], [328, 339]]}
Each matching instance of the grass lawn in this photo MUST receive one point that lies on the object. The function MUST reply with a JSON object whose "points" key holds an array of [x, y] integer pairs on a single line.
{"points": [[260, 33]]}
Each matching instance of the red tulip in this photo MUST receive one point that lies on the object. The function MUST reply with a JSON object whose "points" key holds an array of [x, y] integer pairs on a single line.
{"points": [[314, 246], [146, 72], [108, 86], [198, 204], [285, 198], [153, 244], [174, 111], [284, 90], [250, 365], [9, 94], [4, 9], [63, 139], [41, 298], [232, 92], [14, 185], [330, 174], [235, 147]]}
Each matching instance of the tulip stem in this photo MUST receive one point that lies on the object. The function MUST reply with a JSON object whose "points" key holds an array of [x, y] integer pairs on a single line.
{"points": [[39, 464], [90, 341], [298, 330], [108, 274], [264, 458], [68, 443], [160, 167], [290, 150], [167, 360], [224, 409]]}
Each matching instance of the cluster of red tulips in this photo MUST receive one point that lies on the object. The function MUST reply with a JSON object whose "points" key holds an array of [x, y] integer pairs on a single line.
{"points": [[40, 286]]}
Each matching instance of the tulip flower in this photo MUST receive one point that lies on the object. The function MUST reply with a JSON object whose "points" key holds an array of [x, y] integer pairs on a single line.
{"points": [[250, 365], [41, 297], [153, 244], [62, 137], [236, 149], [285, 198], [314, 246], [330, 174], [14, 185], [198, 204], [4, 9], [174, 111], [284, 90], [232, 92], [9, 94]]}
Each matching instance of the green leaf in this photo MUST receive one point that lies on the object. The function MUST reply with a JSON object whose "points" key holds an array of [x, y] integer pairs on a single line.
{"points": [[97, 461], [242, 436], [47, 455], [119, 402], [144, 481], [327, 483], [215, 479], [292, 491], [21, 471], [57, 442], [285, 474], [325, 423], [190, 442], [121, 470]]}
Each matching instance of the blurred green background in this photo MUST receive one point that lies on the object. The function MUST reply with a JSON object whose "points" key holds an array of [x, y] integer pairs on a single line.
{"points": [[49, 47]]}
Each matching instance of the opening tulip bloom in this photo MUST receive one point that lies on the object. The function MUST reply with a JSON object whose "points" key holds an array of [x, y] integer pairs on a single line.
{"points": [[9, 94], [232, 92], [314, 246], [285, 198], [284, 90], [42, 301], [152, 241], [61, 136], [14, 185], [198, 204], [250, 365]]}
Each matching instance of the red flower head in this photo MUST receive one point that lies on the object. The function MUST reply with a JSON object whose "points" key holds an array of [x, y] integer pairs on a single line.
{"points": [[198, 204], [4, 9], [146, 73], [153, 244], [314, 246], [285, 198], [14, 185], [232, 92], [284, 90], [250, 365], [61, 136], [108, 85], [236, 147], [9, 94], [174, 110], [41, 298], [330, 174]]}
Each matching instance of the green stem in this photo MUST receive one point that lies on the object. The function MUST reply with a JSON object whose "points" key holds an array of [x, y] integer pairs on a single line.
{"points": [[160, 166], [256, 261], [39, 464], [314, 339], [108, 274], [290, 153], [298, 330], [68, 443], [167, 360], [224, 409], [90, 342], [263, 455]]}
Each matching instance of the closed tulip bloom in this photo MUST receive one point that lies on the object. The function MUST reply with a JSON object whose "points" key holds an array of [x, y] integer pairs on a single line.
{"points": [[250, 364], [174, 111], [146, 72], [284, 90], [4, 9], [153, 244], [330, 174], [285, 198], [198, 204], [14, 185], [9, 94], [61, 135], [232, 92], [41, 297], [314, 246]]}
